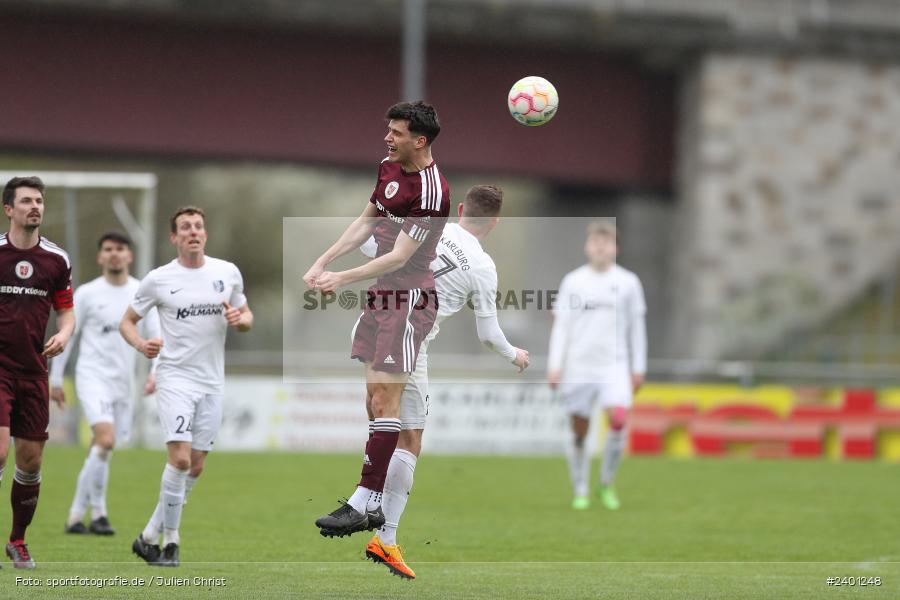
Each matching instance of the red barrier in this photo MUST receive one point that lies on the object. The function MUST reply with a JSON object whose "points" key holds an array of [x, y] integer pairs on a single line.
{"points": [[802, 433]]}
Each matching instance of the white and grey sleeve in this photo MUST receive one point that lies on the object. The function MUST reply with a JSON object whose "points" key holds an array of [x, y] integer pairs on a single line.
{"points": [[58, 363], [637, 330], [491, 335]]}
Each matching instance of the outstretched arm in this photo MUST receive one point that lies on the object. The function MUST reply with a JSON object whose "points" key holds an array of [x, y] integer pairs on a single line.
{"points": [[492, 336], [404, 248], [352, 238]]}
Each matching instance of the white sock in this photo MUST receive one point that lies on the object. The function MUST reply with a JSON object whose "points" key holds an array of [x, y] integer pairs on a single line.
{"points": [[397, 486], [99, 480], [172, 498], [360, 499], [155, 525], [579, 467], [612, 455], [82, 492], [374, 500], [188, 486]]}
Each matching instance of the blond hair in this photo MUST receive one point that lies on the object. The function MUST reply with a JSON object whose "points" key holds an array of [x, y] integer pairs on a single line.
{"points": [[605, 227]]}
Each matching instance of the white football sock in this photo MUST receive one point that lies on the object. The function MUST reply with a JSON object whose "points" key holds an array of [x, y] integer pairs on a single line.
{"points": [[154, 526], [99, 480], [188, 486], [579, 467], [172, 498], [360, 499], [612, 455], [82, 492], [397, 486], [374, 500]]}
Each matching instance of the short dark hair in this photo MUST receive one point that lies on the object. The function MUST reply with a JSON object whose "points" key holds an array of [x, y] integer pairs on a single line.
{"points": [[116, 237], [483, 201], [186, 210], [9, 192], [421, 116]]}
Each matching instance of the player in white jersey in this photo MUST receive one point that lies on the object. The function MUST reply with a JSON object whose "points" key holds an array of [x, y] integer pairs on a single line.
{"points": [[104, 375], [598, 354], [463, 272], [198, 297]]}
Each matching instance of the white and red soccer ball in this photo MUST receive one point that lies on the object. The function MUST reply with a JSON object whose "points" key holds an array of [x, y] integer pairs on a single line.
{"points": [[533, 101]]}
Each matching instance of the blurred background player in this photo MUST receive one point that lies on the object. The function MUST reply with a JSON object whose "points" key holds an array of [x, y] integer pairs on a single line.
{"points": [[463, 272], [35, 274], [198, 297], [598, 353], [104, 375], [406, 213]]}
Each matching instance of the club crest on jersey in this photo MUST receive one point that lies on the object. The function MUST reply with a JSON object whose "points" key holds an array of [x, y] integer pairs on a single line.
{"points": [[24, 269], [390, 190], [219, 285]]}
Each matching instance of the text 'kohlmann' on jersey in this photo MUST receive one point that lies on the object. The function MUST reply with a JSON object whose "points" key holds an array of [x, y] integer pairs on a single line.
{"points": [[191, 310]]}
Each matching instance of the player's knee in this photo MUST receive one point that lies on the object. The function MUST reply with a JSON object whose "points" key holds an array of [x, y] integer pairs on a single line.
{"points": [[580, 426], [411, 441], [617, 417], [196, 470], [383, 404], [181, 463], [106, 443], [578, 440], [28, 464]]}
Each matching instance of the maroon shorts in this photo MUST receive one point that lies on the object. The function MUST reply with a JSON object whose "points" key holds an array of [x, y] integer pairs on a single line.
{"points": [[25, 407], [391, 328]]}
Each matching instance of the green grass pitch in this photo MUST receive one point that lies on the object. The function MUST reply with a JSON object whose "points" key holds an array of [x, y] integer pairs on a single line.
{"points": [[487, 528]]}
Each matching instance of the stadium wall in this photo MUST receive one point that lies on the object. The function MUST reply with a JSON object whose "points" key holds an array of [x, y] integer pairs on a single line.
{"points": [[788, 207], [143, 87]]}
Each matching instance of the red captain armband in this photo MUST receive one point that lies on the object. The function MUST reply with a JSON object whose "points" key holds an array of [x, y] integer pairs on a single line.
{"points": [[63, 299]]}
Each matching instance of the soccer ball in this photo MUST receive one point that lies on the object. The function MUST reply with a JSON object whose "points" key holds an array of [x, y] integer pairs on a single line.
{"points": [[533, 101]]}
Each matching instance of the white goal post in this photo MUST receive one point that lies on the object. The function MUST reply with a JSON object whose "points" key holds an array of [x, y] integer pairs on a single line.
{"points": [[142, 228]]}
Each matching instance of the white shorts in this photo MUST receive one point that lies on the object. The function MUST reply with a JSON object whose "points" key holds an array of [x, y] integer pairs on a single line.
{"points": [[581, 398], [414, 400], [189, 416], [102, 403]]}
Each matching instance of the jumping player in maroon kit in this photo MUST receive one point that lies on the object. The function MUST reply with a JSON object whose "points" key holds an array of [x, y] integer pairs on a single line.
{"points": [[35, 274], [407, 213]]}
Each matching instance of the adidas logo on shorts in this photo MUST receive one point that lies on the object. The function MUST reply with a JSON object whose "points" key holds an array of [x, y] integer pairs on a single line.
{"points": [[389, 360]]}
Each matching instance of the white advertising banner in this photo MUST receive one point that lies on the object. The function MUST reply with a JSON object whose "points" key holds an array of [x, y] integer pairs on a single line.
{"points": [[264, 413]]}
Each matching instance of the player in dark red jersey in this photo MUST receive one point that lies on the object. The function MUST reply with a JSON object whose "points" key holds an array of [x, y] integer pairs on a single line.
{"points": [[35, 275], [407, 213]]}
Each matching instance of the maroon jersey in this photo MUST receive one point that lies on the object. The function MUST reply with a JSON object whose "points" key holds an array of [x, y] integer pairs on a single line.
{"points": [[418, 204], [31, 281]]}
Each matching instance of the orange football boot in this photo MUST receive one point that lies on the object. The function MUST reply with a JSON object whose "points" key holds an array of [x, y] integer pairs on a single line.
{"points": [[390, 556]]}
